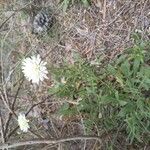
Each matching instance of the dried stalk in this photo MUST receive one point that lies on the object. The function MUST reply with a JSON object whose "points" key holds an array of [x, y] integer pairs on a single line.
{"points": [[50, 141], [2, 128]]}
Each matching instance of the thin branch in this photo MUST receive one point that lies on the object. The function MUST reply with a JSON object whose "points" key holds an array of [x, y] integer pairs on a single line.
{"points": [[50, 141], [34, 105], [20, 85], [7, 124], [12, 108], [6, 104], [2, 128], [124, 7], [7, 20], [8, 107], [104, 10], [15, 11], [11, 133]]}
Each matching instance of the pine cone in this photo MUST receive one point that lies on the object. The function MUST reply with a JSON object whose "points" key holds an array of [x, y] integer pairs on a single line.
{"points": [[40, 22]]}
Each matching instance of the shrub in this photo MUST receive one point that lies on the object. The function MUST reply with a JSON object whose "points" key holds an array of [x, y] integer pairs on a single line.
{"points": [[113, 96]]}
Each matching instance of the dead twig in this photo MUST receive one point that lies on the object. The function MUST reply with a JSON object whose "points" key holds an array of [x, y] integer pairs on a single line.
{"points": [[11, 111], [14, 101], [7, 20], [30, 109], [12, 107], [2, 128], [124, 7], [12, 132], [50, 141], [104, 11], [15, 11], [6, 104], [7, 124]]}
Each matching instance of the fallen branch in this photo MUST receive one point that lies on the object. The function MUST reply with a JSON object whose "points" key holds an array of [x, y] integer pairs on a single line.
{"points": [[51, 141]]}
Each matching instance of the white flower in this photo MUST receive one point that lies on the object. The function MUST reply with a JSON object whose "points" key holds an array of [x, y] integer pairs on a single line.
{"points": [[34, 69], [23, 122], [63, 81]]}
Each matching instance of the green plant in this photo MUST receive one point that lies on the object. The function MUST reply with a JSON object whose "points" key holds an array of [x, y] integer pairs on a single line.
{"points": [[114, 96], [67, 3]]}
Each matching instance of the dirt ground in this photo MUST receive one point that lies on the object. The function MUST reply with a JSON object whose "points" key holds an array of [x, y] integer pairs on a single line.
{"points": [[104, 29]]}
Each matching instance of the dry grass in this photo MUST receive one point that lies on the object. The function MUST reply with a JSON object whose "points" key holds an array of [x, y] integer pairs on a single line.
{"points": [[104, 29]]}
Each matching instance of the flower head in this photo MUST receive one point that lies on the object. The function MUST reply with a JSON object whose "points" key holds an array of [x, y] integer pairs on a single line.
{"points": [[63, 81], [34, 69], [23, 122]]}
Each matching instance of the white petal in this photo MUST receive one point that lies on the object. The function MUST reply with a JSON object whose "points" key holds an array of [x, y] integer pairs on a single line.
{"points": [[34, 69], [23, 122]]}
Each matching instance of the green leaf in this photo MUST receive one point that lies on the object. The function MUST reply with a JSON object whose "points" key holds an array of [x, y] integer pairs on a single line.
{"points": [[117, 95], [120, 80], [65, 5], [125, 68], [85, 3], [136, 66], [121, 59], [111, 69], [121, 102]]}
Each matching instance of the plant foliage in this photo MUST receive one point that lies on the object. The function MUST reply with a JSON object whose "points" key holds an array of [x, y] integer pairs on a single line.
{"points": [[113, 97], [67, 3]]}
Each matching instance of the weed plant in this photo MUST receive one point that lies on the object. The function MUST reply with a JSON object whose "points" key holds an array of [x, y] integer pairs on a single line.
{"points": [[114, 97], [67, 3]]}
